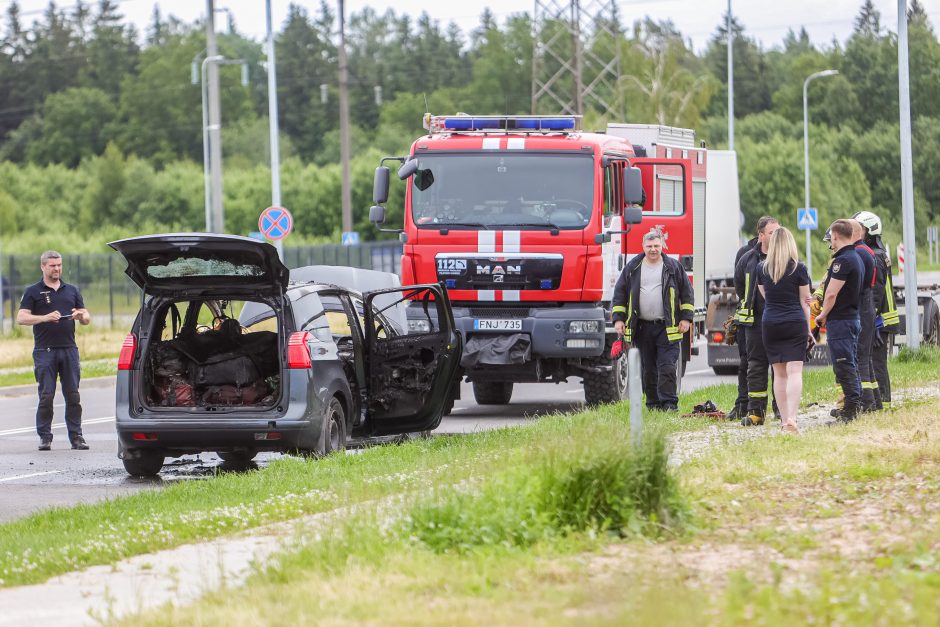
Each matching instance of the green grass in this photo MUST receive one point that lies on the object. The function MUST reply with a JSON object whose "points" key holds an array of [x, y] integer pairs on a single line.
{"points": [[803, 539], [23, 375]]}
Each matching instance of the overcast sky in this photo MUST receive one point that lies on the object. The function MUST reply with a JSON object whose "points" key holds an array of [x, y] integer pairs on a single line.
{"points": [[767, 20]]}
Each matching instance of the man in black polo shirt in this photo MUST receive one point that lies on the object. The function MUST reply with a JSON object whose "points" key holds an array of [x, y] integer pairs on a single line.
{"points": [[51, 307], [840, 316]]}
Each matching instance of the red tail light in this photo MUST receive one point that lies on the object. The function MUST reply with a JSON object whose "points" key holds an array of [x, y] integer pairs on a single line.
{"points": [[126, 358], [718, 337], [298, 351]]}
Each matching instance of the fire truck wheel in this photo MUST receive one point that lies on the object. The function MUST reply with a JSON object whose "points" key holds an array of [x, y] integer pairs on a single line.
{"points": [[492, 392], [607, 387]]}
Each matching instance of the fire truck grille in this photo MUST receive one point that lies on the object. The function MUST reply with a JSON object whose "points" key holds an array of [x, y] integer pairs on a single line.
{"points": [[499, 312]]}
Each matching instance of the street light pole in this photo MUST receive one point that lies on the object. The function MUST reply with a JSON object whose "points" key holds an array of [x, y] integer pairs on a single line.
{"points": [[273, 125], [207, 183], [912, 308], [809, 255], [730, 81]]}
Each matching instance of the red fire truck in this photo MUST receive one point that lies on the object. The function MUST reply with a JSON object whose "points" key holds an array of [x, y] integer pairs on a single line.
{"points": [[527, 221]]}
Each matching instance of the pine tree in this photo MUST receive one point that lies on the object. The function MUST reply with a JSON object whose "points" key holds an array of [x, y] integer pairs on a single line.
{"points": [[868, 22]]}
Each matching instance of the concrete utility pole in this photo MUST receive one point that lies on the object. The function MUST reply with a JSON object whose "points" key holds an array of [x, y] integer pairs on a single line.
{"points": [[215, 124], [911, 308], [344, 149], [273, 125], [809, 254], [730, 81]]}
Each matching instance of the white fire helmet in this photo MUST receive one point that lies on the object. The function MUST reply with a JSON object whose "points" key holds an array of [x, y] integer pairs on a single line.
{"points": [[870, 221]]}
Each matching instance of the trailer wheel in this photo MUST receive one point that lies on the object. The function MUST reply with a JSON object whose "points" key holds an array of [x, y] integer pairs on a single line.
{"points": [[607, 387], [932, 330], [492, 392]]}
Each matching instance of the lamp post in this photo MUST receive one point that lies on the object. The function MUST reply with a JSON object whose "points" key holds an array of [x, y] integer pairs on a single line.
{"points": [[809, 256], [221, 60], [730, 81]]}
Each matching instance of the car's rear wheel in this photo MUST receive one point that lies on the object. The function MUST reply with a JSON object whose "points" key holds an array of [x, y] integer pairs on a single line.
{"points": [[144, 464], [725, 370], [333, 434], [236, 457], [492, 392]]}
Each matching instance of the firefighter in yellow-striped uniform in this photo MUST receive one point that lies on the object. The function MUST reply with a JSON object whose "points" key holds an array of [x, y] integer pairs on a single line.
{"points": [[887, 320], [652, 308]]}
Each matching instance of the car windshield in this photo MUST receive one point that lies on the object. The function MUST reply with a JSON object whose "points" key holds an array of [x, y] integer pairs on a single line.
{"points": [[495, 190]]}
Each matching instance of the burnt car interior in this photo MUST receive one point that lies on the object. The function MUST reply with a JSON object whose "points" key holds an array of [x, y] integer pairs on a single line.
{"points": [[202, 357], [408, 372]]}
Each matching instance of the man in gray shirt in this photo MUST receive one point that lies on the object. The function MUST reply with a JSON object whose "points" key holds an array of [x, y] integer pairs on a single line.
{"points": [[652, 307]]}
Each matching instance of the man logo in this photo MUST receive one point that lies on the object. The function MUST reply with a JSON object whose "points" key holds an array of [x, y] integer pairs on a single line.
{"points": [[836, 267]]}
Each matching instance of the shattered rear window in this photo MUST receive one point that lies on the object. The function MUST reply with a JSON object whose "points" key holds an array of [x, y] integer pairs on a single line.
{"points": [[191, 266]]}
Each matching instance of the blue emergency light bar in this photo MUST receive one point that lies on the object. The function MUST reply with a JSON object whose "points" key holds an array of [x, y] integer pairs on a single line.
{"points": [[501, 123]]}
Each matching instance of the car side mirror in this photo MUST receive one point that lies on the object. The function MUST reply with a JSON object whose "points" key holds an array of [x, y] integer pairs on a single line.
{"points": [[380, 186], [377, 213], [633, 186]]}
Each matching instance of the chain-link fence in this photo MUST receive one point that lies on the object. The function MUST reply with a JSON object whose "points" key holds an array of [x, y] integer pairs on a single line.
{"points": [[110, 295]]}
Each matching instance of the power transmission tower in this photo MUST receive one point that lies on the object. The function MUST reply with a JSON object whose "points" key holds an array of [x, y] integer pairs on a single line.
{"points": [[576, 57]]}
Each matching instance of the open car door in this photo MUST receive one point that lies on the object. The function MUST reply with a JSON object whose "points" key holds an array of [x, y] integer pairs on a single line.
{"points": [[409, 372]]}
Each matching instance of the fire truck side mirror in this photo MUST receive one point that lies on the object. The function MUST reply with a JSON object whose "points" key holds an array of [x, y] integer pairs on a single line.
{"points": [[407, 169], [632, 215], [380, 186], [377, 214], [632, 186]]}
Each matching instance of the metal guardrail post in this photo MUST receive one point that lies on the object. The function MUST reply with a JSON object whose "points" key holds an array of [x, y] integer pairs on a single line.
{"points": [[636, 396]]}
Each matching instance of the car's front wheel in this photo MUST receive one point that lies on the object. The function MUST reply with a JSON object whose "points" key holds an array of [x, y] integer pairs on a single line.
{"points": [[143, 464]]}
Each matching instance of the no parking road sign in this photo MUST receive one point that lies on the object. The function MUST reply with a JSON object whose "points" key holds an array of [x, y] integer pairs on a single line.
{"points": [[275, 223]]}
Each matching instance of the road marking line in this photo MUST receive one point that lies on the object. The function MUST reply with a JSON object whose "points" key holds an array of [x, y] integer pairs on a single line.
{"points": [[699, 371], [57, 425], [573, 391], [35, 474], [458, 409]]}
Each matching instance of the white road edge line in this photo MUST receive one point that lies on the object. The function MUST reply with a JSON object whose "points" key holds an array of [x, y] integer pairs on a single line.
{"points": [[35, 474], [57, 425], [699, 371]]}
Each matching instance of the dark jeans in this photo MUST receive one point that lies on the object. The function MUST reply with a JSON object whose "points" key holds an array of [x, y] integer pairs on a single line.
{"points": [[658, 360], [63, 364], [842, 337]]}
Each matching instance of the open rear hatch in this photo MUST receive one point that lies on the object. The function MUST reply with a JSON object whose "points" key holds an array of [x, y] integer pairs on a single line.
{"points": [[172, 264], [198, 355]]}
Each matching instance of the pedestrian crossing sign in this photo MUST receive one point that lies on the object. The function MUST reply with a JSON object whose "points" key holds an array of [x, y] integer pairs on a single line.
{"points": [[807, 219]]}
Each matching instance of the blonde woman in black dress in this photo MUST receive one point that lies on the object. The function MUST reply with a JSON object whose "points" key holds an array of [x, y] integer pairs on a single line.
{"points": [[785, 285]]}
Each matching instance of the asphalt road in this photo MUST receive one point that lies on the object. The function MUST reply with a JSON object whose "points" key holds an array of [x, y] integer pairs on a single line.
{"points": [[31, 480]]}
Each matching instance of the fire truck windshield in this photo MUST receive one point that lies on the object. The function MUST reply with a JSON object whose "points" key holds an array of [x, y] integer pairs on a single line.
{"points": [[493, 189]]}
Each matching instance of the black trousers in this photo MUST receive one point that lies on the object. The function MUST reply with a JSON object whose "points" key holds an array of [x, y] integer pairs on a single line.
{"points": [[879, 363], [741, 402], [51, 364], [658, 361], [866, 340], [757, 367]]}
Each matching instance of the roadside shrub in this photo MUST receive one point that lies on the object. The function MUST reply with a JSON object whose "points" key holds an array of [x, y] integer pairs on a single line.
{"points": [[611, 487]]}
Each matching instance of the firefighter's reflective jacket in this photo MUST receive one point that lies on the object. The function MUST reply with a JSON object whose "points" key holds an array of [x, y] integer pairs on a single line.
{"points": [[882, 293], [745, 284], [678, 298]]}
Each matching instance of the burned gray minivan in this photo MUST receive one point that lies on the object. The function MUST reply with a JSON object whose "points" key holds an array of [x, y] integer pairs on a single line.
{"points": [[229, 354]]}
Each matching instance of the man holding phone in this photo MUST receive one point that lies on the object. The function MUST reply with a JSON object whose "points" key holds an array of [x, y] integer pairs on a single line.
{"points": [[52, 307]]}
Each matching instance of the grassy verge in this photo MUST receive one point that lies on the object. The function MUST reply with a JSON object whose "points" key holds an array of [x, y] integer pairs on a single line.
{"points": [[838, 526], [98, 348], [61, 540]]}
